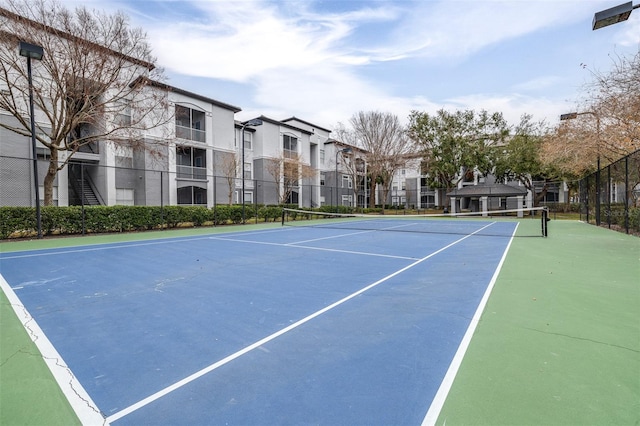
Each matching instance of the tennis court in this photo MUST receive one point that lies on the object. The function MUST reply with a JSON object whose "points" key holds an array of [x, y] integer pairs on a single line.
{"points": [[285, 325]]}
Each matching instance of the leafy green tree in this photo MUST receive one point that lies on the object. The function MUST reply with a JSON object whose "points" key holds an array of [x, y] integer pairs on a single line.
{"points": [[454, 144], [520, 158]]}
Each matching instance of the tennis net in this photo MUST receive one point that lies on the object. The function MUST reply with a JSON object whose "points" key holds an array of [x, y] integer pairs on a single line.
{"points": [[530, 222]]}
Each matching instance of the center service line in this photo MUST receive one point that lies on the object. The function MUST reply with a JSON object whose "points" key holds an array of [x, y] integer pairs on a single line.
{"points": [[226, 360]]}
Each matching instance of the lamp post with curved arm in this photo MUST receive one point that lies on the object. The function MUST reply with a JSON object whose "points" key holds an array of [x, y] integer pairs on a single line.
{"points": [[571, 116], [32, 51]]}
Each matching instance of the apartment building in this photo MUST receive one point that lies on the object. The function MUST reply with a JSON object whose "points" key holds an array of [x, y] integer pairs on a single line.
{"points": [[203, 140], [194, 157], [201, 155], [281, 162]]}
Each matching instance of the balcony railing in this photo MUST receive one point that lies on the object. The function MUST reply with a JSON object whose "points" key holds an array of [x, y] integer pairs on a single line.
{"points": [[248, 183], [191, 134], [189, 172]]}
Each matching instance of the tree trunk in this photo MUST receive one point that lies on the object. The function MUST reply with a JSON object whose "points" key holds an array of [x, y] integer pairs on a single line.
{"points": [[372, 194], [540, 196], [50, 177]]}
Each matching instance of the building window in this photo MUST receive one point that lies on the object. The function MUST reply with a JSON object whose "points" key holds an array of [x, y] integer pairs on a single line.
{"points": [[247, 171], [290, 146], [192, 195], [124, 156], [346, 181], [122, 113], [55, 195], [191, 163], [322, 179], [124, 197], [248, 141], [42, 151], [190, 124], [322, 156]]}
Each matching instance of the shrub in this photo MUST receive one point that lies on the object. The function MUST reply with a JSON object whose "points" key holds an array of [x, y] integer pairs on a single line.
{"points": [[270, 213]]}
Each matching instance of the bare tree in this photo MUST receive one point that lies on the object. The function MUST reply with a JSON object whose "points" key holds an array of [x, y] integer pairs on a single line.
{"points": [[354, 162], [91, 86], [607, 124], [288, 171], [386, 144], [229, 167], [614, 98], [572, 147]]}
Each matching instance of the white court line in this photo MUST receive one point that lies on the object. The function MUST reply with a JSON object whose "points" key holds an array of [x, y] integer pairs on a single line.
{"points": [[330, 238], [438, 401], [113, 246], [226, 360], [294, 245], [82, 404], [107, 246]]}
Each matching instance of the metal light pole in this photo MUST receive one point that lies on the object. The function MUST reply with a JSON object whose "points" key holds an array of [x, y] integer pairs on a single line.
{"points": [[253, 123], [343, 151], [36, 52], [571, 116]]}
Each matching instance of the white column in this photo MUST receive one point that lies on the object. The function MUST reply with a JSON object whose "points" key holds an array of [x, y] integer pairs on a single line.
{"points": [[520, 199], [63, 182]]}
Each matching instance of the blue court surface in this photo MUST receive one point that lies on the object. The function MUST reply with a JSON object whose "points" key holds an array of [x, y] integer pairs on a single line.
{"points": [[276, 326]]}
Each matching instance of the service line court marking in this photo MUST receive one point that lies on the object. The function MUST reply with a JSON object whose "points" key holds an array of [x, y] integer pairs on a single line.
{"points": [[179, 384]]}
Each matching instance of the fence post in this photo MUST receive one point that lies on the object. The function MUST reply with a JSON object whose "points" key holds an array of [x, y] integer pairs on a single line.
{"points": [[598, 193], [609, 196], [82, 196], [162, 224], [626, 194]]}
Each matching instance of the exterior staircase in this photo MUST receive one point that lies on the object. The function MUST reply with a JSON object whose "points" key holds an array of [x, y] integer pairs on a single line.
{"points": [[82, 192]]}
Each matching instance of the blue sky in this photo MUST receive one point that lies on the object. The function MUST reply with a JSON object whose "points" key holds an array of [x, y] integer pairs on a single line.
{"points": [[323, 61]]}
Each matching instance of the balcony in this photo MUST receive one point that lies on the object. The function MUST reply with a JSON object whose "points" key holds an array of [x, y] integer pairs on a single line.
{"points": [[191, 173], [188, 133], [87, 152], [248, 183]]}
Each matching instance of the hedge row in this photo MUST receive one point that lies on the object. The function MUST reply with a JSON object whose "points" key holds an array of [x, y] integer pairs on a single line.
{"points": [[20, 222], [616, 216]]}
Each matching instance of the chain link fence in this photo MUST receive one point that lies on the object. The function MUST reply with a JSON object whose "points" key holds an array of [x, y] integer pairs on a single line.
{"points": [[140, 183], [611, 196]]}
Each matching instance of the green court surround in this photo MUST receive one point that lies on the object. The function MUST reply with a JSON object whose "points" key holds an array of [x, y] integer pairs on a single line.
{"points": [[558, 343]]}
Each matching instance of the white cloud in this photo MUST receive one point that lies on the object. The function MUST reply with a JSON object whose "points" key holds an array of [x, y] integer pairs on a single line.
{"points": [[629, 33], [513, 106], [298, 61], [240, 40], [538, 84], [459, 28]]}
